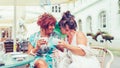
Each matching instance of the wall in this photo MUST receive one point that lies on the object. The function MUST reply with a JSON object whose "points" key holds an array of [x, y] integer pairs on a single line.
{"points": [[93, 9]]}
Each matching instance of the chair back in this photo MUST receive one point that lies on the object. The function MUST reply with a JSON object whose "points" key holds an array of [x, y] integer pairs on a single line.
{"points": [[101, 54], [23, 46], [8, 46]]}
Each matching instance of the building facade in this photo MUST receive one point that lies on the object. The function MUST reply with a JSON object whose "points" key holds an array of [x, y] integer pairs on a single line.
{"points": [[97, 15]]}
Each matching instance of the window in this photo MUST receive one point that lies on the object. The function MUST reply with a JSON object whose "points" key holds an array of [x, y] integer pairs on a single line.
{"points": [[89, 24], [56, 8], [80, 24], [102, 19]]}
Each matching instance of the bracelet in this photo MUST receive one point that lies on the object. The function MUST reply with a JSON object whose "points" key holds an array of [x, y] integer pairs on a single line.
{"points": [[32, 53]]}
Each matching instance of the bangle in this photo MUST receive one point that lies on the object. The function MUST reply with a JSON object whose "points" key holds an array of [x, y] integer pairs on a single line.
{"points": [[32, 53]]}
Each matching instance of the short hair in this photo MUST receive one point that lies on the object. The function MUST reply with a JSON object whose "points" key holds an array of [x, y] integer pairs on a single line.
{"points": [[45, 20], [68, 19]]}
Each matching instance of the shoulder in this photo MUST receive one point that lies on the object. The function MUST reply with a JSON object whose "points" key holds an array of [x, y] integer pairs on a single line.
{"points": [[81, 38], [32, 36], [80, 34]]}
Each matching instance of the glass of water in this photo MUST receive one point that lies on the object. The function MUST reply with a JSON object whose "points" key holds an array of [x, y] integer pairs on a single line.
{"points": [[2, 50], [44, 47]]}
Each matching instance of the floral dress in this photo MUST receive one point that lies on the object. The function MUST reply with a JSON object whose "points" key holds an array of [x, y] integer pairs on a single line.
{"points": [[45, 54]]}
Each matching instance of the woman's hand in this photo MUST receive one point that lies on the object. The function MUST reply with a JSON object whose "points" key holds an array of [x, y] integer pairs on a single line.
{"points": [[61, 45], [40, 43]]}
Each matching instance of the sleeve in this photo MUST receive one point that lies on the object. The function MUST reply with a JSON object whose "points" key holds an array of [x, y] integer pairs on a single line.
{"points": [[32, 40], [87, 50]]}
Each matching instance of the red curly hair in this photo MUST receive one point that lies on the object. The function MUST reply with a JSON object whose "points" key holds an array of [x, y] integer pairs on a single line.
{"points": [[45, 20]]}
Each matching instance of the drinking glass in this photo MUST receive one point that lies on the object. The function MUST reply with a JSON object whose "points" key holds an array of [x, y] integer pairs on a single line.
{"points": [[2, 50], [44, 46]]}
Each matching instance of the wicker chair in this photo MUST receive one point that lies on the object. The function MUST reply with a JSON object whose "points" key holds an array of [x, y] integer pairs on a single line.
{"points": [[101, 53], [23, 46], [8, 46]]}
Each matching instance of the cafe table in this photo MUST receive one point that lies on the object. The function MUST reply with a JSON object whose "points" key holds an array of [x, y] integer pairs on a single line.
{"points": [[16, 59]]}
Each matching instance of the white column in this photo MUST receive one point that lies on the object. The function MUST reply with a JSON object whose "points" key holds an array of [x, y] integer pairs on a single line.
{"points": [[14, 28]]}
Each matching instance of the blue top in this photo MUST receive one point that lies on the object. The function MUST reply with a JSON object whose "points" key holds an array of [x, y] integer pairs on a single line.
{"points": [[45, 54]]}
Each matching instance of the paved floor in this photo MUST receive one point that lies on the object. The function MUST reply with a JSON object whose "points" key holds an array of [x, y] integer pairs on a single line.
{"points": [[114, 44], [116, 62]]}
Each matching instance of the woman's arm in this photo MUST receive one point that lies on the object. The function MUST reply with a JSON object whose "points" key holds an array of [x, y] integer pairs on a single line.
{"points": [[30, 47], [33, 50], [76, 50], [80, 39]]}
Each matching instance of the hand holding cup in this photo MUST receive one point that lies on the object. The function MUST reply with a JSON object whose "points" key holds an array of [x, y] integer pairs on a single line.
{"points": [[42, 41]]}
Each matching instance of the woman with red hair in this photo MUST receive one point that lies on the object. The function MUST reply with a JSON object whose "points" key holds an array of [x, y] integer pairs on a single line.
{"points": [[40, 42]]}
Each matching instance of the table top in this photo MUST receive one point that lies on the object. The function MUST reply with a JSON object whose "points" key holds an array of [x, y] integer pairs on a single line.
{"points": [[16, 59]]}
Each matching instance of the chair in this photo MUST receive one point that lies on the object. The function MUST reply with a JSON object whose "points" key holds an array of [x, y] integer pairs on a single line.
{"points": [[101, 53], [8, 46], [23, 45]]}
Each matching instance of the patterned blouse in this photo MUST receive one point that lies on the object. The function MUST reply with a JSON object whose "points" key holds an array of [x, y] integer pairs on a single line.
{"points": [[46, 53]]}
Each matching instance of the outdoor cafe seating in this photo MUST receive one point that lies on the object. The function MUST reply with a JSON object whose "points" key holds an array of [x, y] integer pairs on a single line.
{"points": [[8, 45], [13, 59], [101, 54]]}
